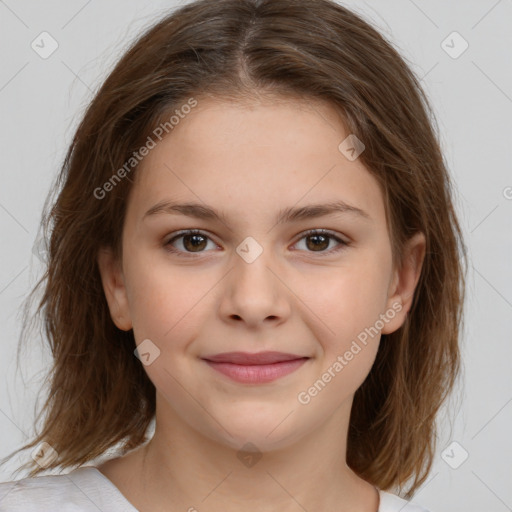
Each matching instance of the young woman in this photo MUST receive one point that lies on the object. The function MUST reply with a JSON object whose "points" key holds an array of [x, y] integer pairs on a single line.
{"points": [[254, 250]]}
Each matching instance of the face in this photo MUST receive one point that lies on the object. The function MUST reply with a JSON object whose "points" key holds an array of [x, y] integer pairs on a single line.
{"points": [[263, 274]]}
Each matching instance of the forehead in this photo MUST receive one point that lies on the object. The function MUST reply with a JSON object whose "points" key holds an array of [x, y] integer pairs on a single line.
{"points": [[254, 157]]}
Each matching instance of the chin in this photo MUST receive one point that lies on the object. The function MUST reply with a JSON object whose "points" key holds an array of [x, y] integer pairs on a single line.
{"points": [[250, 433]]}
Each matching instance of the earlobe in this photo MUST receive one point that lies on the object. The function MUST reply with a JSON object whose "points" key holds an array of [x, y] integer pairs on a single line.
{"points": [[405, 279], [114, 288]]}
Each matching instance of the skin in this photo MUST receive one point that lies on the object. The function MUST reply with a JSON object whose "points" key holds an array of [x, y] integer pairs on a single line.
{"points": [[250, 160]]}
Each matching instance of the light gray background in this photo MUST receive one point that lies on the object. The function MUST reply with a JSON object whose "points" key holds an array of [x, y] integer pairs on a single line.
{"points": [[41, 101]]}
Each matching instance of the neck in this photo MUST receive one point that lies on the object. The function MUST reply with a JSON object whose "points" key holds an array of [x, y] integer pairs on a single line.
{"points": [[181, 469]]}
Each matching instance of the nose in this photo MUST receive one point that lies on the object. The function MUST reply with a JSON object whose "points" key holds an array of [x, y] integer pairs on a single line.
{"points": [[255, 293]]}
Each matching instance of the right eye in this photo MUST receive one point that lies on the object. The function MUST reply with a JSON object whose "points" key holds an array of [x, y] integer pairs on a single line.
{"points": [[192, 241]]}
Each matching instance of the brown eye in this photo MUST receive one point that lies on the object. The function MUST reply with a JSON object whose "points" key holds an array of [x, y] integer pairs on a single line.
{"points": [[194, 242], [191, 242], [319, 240]]}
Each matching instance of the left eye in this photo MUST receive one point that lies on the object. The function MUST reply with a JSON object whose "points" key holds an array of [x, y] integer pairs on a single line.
{"points": [[320, 240], [195, 241]]}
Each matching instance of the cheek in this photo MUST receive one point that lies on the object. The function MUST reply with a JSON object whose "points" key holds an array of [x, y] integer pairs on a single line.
{"points": [[165, 304], [351, 302], [163, 298], [350, 306]]}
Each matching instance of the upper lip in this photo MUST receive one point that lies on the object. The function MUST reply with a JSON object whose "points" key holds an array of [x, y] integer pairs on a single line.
{"points": [[246, 358]]}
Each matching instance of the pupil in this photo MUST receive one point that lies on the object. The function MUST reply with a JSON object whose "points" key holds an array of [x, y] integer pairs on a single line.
{"points": [[195, 240], [315, 245]]}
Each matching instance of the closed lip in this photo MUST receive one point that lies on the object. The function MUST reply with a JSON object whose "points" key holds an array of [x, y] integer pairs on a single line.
{"points": [[247, 358]]}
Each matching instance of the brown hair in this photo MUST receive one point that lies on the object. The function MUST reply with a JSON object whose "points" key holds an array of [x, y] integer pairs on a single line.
{"points": [[314, 49]]}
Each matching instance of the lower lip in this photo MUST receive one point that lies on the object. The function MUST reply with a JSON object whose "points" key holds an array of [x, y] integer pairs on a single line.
{"points": [[257, 374]]}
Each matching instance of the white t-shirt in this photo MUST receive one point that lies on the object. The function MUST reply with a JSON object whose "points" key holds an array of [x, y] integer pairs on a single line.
{"points": [[86, 489]]}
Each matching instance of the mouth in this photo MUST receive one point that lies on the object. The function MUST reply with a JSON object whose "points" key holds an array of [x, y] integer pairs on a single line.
{"points": [[257, 368]]}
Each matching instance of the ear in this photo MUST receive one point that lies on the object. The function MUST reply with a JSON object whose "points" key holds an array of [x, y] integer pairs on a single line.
{"points": [[112, 279], [405, 279]]}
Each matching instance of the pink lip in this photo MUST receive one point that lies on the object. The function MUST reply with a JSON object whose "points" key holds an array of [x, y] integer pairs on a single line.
{"points": [[255, 368]]}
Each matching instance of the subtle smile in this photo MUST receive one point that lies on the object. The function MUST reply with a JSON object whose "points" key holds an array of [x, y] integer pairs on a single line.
{"points": [[256, 368]]}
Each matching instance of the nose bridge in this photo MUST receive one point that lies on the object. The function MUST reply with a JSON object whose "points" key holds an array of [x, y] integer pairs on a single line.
{"points": [[254, 292], [252, 263]]}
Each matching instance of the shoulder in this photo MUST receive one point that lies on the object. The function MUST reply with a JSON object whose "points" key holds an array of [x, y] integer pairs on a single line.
{"points": [[81, 490], [393, 503]]}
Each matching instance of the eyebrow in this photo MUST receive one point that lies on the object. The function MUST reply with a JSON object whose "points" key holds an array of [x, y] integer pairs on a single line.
{"points": [[290, 214]]}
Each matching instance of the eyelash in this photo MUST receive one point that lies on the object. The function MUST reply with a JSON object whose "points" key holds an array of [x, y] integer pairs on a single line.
{"points": [[311, 232]]}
